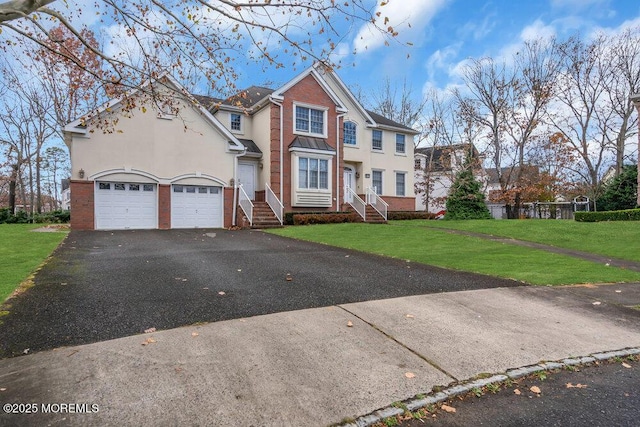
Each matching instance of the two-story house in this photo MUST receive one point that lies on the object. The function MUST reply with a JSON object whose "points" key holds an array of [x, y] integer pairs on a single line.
{"points": [[203, 162]]}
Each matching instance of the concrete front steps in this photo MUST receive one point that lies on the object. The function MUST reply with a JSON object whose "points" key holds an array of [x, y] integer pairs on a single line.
{"points": [[372, 215]]}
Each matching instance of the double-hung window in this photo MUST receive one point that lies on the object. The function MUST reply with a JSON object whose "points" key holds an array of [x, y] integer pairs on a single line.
{"points": [[309, 120], [400, 144], [376, 181], [313, 173], [349, 133], [236, 122], [376, 139], [400, 183]]}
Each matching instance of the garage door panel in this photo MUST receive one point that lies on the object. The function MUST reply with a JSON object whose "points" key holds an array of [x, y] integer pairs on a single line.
{"points": [[196, 207], [120, 206]]}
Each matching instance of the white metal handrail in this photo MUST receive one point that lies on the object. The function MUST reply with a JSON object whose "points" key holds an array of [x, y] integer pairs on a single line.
{"points": [[357, 203], [246, 204], [274, 203], [376, 201]]}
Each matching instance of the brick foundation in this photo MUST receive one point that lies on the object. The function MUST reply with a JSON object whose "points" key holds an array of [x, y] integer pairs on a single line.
{"points": [[82, 205], [400, 203]]}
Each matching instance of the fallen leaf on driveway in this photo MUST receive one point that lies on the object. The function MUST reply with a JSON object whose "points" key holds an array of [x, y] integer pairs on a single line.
{"points": [[626, 365], [221, 293], [597, 303], [149, 331], [410, 375], [3, 389], [350, 323], [517, 392], [194, 334], [618, 292], [289, 278], [449, 409], [410, 316], [206, 289], [535, 389], [569, 385], [148, 341]]}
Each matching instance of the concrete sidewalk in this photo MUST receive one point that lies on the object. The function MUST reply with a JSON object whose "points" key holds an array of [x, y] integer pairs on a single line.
{"points": [[311, 367]]}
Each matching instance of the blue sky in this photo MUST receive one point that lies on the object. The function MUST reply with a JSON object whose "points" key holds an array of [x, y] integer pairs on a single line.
{"points": [[445, 33]]}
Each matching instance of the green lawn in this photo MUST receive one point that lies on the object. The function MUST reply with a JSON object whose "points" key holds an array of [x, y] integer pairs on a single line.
{"points": [[411, 240], [21, 252], [617, 239]]}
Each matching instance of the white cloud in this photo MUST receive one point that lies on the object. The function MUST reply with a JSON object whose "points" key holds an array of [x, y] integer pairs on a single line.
{"points": [[407, 17], [537, 30]]}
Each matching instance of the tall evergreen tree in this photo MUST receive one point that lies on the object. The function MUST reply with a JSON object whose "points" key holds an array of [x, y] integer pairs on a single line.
{"points": [[466, 200], [620, 193]]}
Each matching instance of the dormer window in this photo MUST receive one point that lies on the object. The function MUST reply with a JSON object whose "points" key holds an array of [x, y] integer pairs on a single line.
{"points": [[310, 121], [236, 122]]}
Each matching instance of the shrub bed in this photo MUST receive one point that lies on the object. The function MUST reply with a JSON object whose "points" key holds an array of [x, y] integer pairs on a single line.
{"points": [[21, 217], [623, 215], [324, 218], [402, 215]]}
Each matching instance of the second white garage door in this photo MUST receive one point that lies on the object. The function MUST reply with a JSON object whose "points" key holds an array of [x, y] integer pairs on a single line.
{"points": [[196, 206]]}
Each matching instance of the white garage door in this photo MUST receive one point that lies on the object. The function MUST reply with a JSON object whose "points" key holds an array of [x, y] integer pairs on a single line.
{"points": [[196, 206], [124, 205]]}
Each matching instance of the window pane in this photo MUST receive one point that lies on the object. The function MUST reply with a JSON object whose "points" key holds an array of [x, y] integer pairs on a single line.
{"points": [[118, 186], [214, 190], [147, 187], [302, 119], [349, 133], [104, 186], [236, 121], [303, 169], [191, 189], [399, 184], [317, 121], [376, 141], [377, 181], [177, 188], [399, 143], [134, 187], [202, 190], [313, 173], [324, 174]]}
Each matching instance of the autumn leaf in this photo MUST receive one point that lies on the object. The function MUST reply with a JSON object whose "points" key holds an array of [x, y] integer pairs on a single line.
{"points": [[626, 365], [194, 334], [148, 341], [535, 389], [350, 323], [149, 331], [517, 392], [410, 375], [221, 293], [409, 316], [569, 385], [448, 409]]}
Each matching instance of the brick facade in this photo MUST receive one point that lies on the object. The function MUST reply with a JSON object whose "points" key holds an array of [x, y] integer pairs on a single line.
{"points": [[400, 203], [228, 206], [82, 205], [164, 206]]}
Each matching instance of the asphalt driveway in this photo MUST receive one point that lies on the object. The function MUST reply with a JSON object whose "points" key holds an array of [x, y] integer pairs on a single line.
{"points": [[104, 285]]}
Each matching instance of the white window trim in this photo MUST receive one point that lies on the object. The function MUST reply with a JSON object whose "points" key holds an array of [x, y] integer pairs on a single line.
{"points": [[324, 110], [381, 180], [400, 153], [395, 175], [241, 130], [312, 155], [376, 150], [356, 133]]}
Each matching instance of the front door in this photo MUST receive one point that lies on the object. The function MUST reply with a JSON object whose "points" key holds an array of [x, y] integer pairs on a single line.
{"points": [[349, 183], [247, 177]]}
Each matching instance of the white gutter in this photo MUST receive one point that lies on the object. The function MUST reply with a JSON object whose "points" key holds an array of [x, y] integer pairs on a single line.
{"points": [[338, 117]]}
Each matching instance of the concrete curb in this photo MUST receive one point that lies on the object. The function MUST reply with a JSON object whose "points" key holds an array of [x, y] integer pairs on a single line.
{"points": [[467, 386]]}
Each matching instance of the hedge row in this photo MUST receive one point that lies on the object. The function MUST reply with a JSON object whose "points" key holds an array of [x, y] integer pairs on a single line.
{"points": [[325, 218], [21, 217], [624, 215], [402, 215]]}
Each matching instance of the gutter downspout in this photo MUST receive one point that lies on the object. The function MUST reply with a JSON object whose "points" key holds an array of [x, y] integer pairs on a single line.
{"points": [[338, 117], [235, 186]]}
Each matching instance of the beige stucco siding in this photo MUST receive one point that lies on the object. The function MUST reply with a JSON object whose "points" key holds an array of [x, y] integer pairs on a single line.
{"points": [[163, 148]]}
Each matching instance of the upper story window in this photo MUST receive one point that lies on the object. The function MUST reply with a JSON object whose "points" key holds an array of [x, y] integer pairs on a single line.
{"points": [[236, 122], [349, 133], [376, 139], [309, 120], [400, 144], [418, 164]]}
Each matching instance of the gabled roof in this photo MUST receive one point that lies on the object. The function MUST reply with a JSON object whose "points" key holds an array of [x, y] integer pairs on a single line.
{"points": [[388, 123], [440, 155], [78, 126], [251, 146], [244, 100]]}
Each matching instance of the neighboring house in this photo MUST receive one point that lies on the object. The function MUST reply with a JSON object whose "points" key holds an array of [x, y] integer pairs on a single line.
{"points": [[306, 146], [65, 204], [435, 170]]}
